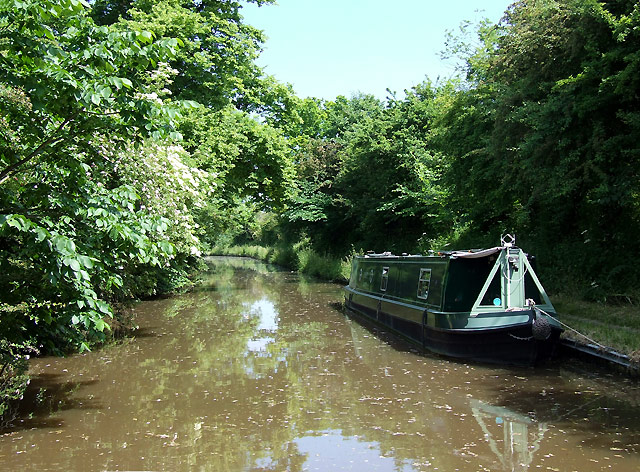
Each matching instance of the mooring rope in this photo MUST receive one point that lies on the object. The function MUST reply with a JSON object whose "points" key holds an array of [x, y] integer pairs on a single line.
{"points": [[574, 330]]}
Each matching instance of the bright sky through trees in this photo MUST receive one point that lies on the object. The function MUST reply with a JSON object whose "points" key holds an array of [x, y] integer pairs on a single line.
{"points": [[338, 47]]}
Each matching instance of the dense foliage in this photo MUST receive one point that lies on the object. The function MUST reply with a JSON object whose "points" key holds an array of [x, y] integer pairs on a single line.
{"points": [[66, 226], [555, 151]]}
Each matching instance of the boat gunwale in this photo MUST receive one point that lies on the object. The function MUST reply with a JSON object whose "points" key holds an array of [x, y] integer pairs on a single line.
{"points": [[398, 301], [466, 331], [503, 314]]}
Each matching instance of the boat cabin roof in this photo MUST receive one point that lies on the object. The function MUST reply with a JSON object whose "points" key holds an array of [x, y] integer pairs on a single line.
{"points": [[462, 254]]}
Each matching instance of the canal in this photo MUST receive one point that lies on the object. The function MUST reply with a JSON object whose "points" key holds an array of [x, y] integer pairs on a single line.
{"points": [[260, 370]]}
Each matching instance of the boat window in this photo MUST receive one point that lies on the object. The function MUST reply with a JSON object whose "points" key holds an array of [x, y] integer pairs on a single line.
{"points": [[371, 276], [493, 295], [385, 279], [360, 275], [531, 290], [423, 283], [465, 279]]}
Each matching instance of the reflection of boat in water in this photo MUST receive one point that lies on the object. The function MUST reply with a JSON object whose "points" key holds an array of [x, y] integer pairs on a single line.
{"points": [[506, 439], [514, 438], [483, 305]]}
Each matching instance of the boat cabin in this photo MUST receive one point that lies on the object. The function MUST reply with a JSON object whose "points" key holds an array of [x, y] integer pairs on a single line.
{"points": [[452, 282]]}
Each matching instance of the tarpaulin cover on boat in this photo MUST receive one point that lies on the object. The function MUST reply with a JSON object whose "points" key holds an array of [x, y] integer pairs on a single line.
{"points": [[475, 255]]}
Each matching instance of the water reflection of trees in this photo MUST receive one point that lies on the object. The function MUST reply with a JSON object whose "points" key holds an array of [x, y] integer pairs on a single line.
{"points": [[251, 372]]}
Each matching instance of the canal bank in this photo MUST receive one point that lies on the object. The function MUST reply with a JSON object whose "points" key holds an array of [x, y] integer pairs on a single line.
{"points": [[258, 369]]}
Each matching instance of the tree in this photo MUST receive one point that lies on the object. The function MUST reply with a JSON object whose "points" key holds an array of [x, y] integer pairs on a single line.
{"points": [[67, 236], [216, 63], [367, 177], [554, 157], [247, 158]]}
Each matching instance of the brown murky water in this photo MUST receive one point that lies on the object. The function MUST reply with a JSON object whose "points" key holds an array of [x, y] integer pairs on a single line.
{"points": [[259, 370]]}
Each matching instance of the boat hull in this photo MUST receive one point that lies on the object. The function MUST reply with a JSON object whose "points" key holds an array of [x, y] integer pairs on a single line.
{"points": [[505, 344], [511, 345]]}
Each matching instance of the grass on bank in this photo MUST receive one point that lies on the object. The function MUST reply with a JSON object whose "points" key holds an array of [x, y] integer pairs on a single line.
{"points": [[616, 326], [301, 259]]}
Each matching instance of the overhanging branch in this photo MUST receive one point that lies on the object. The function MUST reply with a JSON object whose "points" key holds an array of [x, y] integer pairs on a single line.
{"points": [[53, 139]]}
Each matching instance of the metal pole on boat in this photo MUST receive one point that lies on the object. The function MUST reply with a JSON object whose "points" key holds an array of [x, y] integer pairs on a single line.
{"points": [[508, 242], [508, 284]]}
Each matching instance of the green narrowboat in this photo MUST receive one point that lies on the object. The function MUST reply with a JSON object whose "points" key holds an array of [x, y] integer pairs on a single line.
{"points": [[482, 305]]}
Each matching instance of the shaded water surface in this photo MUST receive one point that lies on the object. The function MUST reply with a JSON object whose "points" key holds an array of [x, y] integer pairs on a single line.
{"points": [[259, 370]]}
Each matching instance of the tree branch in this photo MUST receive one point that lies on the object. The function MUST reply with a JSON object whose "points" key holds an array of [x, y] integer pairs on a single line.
{"points": [[8, 171]]}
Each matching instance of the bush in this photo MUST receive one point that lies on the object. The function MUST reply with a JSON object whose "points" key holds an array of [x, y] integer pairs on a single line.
{"points": [[13, 376], [298, 257]]}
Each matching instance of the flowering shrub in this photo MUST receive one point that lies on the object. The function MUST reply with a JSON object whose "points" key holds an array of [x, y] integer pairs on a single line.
{"points": [[168, 187]]}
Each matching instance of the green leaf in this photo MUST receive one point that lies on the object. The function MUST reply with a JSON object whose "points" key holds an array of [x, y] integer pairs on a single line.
{"points": [[59, 243], [103, 307], [190, 104], [106, 92], [145, 36], [18, 221], [86, 261], [116, 82], [166, 247], [46, 31], [117, 281], [171, 112], [99, 325], [72, 263], [41, 234]]}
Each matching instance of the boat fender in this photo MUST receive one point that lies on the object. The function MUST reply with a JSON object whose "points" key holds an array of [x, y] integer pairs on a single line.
{"points": [[540, 329]]}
